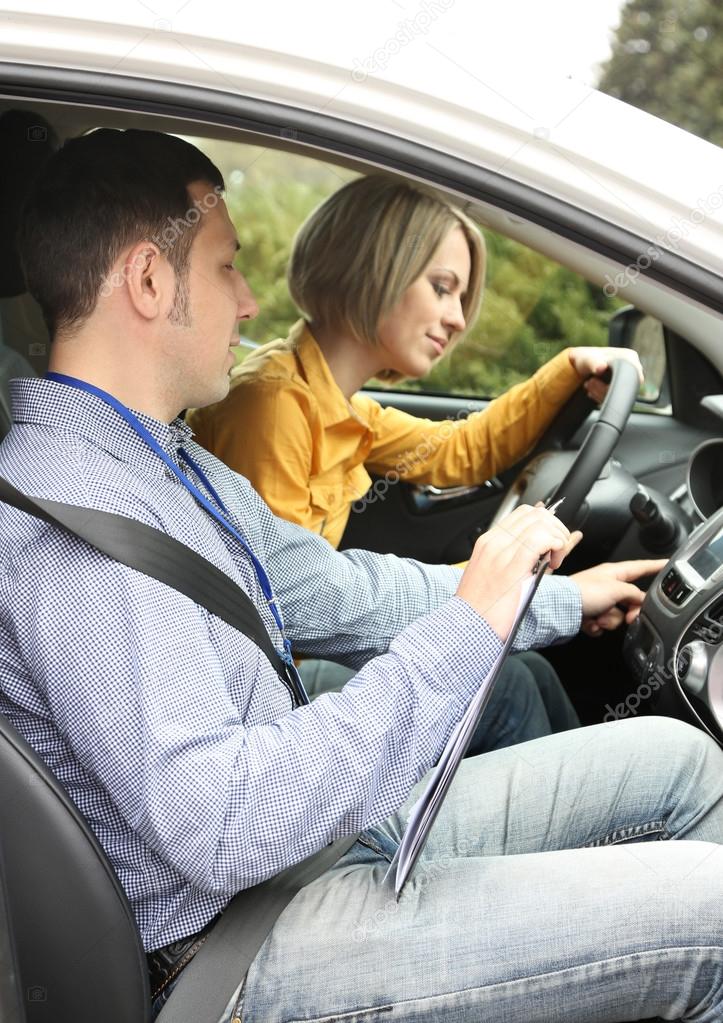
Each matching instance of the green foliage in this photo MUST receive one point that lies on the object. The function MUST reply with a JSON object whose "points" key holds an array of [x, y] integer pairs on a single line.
{"points": [[267, 215], [668, 59]]}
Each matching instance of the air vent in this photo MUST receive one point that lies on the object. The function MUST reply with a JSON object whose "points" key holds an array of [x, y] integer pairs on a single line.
{"points": [[709, 626]]}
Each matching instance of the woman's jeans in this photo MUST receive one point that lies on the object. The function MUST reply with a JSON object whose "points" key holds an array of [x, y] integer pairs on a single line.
{"points": [[554, 888], [528, 700]]}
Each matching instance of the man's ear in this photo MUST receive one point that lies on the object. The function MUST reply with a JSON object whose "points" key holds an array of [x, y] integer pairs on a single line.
{"points": [[149, 280]]}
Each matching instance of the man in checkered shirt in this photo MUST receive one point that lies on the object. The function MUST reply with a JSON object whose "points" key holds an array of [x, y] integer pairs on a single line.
{"points": [[539, 894]]}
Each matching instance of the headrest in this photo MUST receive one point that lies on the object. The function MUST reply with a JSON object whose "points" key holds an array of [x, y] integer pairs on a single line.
{"points": [[27, 142]]}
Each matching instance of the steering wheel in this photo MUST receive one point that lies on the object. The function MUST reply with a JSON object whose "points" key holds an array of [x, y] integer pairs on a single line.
{"points": [[538, 480]]}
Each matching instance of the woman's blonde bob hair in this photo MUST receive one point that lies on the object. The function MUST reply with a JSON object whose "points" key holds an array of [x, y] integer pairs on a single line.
{"points": [[357, 253]]}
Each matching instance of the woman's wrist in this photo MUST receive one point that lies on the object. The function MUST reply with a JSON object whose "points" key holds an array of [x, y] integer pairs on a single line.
{"points": [[572, 356]]}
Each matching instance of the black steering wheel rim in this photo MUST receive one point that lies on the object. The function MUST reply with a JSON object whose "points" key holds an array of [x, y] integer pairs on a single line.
{"points": [[595, 450]]}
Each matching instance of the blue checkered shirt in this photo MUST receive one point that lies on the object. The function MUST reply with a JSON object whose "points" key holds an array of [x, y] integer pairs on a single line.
{"points": [[168, 728]]}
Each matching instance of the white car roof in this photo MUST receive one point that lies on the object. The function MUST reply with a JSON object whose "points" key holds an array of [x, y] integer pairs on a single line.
{"points": [[558, 136]]}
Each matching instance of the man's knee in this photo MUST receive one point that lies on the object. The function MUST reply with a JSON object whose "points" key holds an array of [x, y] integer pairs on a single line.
{"points": [[676, 738], [516, 684], [536, 663], [687, 738]]}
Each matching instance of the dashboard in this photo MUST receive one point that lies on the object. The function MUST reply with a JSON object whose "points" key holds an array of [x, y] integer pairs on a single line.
{"points": [[677, 641]]}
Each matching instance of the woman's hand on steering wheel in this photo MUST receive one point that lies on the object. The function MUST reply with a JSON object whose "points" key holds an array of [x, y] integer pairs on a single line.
{"points": [[591, 363]]}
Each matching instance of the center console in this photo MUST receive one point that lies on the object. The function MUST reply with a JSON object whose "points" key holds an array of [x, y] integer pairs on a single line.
{"points": [[678, 638]]}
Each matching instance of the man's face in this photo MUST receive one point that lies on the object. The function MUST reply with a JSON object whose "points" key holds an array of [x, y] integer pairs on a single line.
{"points": [[204, 330]]}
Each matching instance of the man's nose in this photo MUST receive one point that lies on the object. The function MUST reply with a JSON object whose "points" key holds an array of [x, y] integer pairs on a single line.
{"points": [[248, 307]]}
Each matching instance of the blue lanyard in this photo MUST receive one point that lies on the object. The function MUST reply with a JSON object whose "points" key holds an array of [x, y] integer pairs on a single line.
{"points": [[145, 435]]}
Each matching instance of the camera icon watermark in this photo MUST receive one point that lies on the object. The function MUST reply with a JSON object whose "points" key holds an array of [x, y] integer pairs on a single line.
{"points": [[36, 993], [36, 133]]}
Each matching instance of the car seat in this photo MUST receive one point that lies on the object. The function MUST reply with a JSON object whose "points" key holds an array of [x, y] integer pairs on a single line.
{"points": [[69, 928]]}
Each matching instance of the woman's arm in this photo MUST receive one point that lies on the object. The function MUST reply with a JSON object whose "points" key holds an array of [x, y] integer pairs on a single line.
{"points": [[470, 450]]}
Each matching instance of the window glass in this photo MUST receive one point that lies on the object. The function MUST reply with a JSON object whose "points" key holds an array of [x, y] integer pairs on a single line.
{"points": [[532, 309]]}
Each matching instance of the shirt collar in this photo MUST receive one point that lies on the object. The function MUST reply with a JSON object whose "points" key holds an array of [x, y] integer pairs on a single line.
{"points": [[333, 406], [41, 402]]}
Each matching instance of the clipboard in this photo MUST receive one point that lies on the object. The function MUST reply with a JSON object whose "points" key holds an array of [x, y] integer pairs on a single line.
{"points": [[425, 810]]}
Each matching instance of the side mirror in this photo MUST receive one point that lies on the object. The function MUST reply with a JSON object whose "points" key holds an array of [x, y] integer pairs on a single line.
{"points": [[629, 328]]}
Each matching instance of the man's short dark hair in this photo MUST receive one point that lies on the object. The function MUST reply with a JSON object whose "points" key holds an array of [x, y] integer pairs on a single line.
{"points": [[99, 194]]}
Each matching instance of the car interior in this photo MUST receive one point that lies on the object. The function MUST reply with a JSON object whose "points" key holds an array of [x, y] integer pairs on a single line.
{"points": [[655, 493]]}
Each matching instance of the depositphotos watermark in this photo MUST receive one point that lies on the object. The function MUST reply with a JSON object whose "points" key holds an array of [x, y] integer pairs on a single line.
{"points": [[407, 31], [167, 238], [670, 240], [629, 706]]}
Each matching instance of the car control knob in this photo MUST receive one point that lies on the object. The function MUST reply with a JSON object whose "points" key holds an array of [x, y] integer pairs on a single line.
{"points": [[692, 666], [659, 532]]}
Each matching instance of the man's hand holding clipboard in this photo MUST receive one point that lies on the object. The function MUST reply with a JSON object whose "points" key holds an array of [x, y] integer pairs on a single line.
{"points": [[504, 559]]}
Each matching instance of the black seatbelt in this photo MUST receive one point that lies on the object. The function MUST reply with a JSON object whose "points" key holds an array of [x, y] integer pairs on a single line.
{"points": [[205, 986], [159, 556]]}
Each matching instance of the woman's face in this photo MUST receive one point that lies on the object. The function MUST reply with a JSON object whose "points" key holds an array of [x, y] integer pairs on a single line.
{"points": [[415, 333]]}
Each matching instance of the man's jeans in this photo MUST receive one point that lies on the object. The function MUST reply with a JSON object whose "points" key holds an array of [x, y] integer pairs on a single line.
{"points": [[528, 700], [546, 894]]}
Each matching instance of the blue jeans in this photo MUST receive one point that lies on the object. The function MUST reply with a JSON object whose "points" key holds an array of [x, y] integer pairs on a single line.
{"points": [[555, 888], [528, 700]]}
